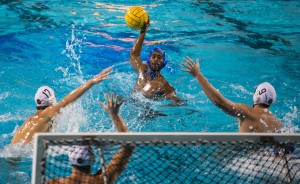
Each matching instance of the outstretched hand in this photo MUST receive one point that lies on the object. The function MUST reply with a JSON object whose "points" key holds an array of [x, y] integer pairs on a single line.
{"points": [[112, 107], [191, 67], [102, 75]]}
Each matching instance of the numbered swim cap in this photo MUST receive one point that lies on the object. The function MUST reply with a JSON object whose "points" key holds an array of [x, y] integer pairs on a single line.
{"points": [[81, 156], [45, 96], [161, 52], [264, 94]]}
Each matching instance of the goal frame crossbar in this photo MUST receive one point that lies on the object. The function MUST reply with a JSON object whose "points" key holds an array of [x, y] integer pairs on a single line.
{"points": [[172, 137]]}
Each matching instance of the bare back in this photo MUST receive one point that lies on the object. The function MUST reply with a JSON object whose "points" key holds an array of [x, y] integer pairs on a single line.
{"points": [[261, 120], [38, 122]]}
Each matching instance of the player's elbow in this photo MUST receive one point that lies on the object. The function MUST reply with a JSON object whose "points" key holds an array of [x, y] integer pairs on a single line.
{"points": [[134, 54], [221, 103], [226, 106]]}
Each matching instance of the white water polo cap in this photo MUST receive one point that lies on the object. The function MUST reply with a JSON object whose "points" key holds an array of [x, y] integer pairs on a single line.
{"points": [[264, 94], [81, 156], [45, 96]]}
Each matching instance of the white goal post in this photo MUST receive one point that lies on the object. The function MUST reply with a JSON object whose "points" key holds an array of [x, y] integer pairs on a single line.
{"points": [[177, 157]]}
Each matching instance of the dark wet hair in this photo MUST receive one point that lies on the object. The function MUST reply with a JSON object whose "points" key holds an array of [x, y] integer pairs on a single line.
{"points": [[84, 169], [41, 107]]}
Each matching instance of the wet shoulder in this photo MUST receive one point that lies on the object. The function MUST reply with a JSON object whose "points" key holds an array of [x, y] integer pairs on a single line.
{"points": [[268, 122], [142, 68], [163, 80]]}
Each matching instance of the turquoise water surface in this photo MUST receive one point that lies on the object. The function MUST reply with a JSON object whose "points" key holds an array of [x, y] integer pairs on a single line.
{"points": [[62, 44]]}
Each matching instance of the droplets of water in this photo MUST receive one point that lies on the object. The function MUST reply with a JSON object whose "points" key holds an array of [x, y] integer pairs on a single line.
{"points": [[290, 117], [73, 51], [65, 71], [239, 90], [267, 110], [5, 117], [72, 46], [4, 95], [11, 117], [263, 122], [24, 150], [70, 119]]}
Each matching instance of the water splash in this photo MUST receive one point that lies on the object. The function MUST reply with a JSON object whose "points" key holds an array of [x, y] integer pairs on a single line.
{"points": [[4, 95], [263, 122], [239, 90], [11, 117], [290, 117], [16, 161], [70, 118], [73, 46], [72, 51], [19, 150], [74, 116]]}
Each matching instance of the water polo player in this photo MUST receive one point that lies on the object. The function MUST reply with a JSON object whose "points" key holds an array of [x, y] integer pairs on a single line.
{"points": [[150, 81], [251, 119], [47, 108]]}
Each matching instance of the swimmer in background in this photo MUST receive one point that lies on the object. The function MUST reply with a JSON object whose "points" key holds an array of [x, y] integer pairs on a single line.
{"points": [[257, 119], [150, 81], [47, 108]]}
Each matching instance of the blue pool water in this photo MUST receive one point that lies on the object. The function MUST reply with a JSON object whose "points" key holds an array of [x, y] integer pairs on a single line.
{"points": [[64, 43]]}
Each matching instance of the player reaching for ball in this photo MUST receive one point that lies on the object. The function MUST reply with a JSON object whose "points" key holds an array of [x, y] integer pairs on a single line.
{"points": [[47, 108], [150, 81], [257, 119]]}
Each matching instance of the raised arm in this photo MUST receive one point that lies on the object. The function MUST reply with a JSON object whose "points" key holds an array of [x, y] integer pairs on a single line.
{"points": [[118, 163], [137, 48], [113, 109], [74, 95], [212, 93], [120, 160]]}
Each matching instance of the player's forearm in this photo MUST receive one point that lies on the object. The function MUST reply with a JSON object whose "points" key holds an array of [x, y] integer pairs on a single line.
{"points": [[212, 93], [119, 163], [119, 122], [71, 97], [137, 47]]}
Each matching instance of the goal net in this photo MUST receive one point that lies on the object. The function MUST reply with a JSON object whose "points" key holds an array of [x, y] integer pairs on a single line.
{"points": [[171, 157]]}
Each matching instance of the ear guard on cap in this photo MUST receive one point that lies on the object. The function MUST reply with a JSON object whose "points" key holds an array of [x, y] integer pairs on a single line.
{"points": [[81, 156]]}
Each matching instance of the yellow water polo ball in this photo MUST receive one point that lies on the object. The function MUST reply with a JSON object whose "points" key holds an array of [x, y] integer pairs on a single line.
{"points": [[135, 17]]}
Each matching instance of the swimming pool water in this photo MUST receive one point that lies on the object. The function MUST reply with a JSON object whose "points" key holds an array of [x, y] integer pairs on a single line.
{"points": [[62, 44]]}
